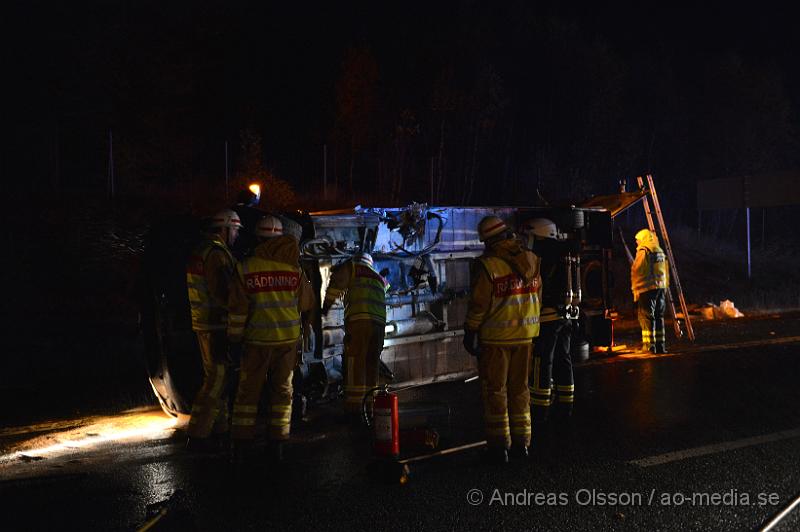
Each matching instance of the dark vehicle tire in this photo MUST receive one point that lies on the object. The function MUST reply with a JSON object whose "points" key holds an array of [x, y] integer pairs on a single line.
{"points": [[171, 352], [172, 358]]}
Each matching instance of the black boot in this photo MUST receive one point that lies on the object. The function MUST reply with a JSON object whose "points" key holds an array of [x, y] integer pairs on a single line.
{"points": [[539, 414], [518, 452], [240, 452], [661, 349], [202, 445], [275, 451], [496, 456], [563, 411]]}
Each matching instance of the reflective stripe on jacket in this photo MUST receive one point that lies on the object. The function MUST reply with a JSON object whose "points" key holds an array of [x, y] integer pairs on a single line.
{"points": [[513, 314], [272, 289], [649, 270], [365, 298], [202, 279]]}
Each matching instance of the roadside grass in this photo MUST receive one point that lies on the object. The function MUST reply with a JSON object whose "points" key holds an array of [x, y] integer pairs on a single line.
{"points": [[712, 270]]}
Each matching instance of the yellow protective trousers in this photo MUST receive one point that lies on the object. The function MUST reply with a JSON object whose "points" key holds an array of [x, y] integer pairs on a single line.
{"points": [[210, 408], [650, 312], [363, 343], [504, 371], [275, 365]]}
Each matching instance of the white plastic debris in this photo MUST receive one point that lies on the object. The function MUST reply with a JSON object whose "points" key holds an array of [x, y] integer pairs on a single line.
{"points": [[729, 309], [726, 309]]}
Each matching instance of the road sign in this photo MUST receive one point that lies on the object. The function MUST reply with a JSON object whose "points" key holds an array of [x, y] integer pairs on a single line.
{"points": [[771, 190]]}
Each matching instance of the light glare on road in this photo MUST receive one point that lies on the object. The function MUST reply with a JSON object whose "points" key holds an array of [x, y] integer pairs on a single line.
{"points": [[95, 431]]}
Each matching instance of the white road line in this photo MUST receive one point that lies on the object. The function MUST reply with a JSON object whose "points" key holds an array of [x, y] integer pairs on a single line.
{"points": [[715, 448]]}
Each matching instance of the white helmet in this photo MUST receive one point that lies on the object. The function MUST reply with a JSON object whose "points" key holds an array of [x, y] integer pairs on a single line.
{"points": [[226, 218], [490, 226], [269, 226], [363, 258], [542, 228]]}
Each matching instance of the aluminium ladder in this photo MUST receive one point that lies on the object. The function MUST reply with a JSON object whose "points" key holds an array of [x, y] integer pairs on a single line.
{"points": [[651, 191]]}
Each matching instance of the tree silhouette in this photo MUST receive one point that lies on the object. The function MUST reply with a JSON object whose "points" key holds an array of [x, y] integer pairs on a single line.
{"points": [[276, 193], [356, 104]]}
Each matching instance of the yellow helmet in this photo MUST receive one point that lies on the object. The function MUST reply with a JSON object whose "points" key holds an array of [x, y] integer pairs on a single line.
{"points": [[646, 236]]}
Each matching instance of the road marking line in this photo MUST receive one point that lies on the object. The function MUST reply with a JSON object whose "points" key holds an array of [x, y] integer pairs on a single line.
{"points": [[674, 456]]}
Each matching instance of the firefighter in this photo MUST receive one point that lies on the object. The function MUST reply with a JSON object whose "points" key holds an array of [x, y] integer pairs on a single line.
{"points": [[209, 273], [364, 291], [502, 321], [552, 364], [269, 323], [649, 283]]}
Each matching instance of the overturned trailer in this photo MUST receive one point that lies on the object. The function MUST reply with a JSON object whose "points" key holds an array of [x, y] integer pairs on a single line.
{"points": [[424, 251]]}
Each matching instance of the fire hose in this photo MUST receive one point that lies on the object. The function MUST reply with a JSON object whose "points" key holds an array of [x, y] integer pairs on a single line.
{"points": [[389, 467], [386, 388]]}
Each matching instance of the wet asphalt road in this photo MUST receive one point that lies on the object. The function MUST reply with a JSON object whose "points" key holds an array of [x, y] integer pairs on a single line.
{"points": [[708, 439]]}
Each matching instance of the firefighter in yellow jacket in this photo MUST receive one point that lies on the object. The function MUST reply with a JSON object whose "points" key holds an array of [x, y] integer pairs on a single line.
{"points": [[649, 283], [269, 323], [209, 273], [364, 291], [502, 320]]}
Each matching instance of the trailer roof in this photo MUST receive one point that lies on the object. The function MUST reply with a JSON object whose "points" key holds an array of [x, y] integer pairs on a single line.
{"points": [[615, 203]]}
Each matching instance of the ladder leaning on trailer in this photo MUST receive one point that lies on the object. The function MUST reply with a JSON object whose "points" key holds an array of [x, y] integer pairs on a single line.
{"points": [[651, 191]]}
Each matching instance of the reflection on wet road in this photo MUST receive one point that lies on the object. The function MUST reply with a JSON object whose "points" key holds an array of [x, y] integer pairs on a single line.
{"points": [[73, 436], [707, 423]]}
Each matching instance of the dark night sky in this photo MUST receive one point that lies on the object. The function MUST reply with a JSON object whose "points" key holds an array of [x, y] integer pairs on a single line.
{"points": [[588, 90]]}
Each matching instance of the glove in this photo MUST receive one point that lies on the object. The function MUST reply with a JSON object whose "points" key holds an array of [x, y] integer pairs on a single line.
{"points": [[471, 342]]}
